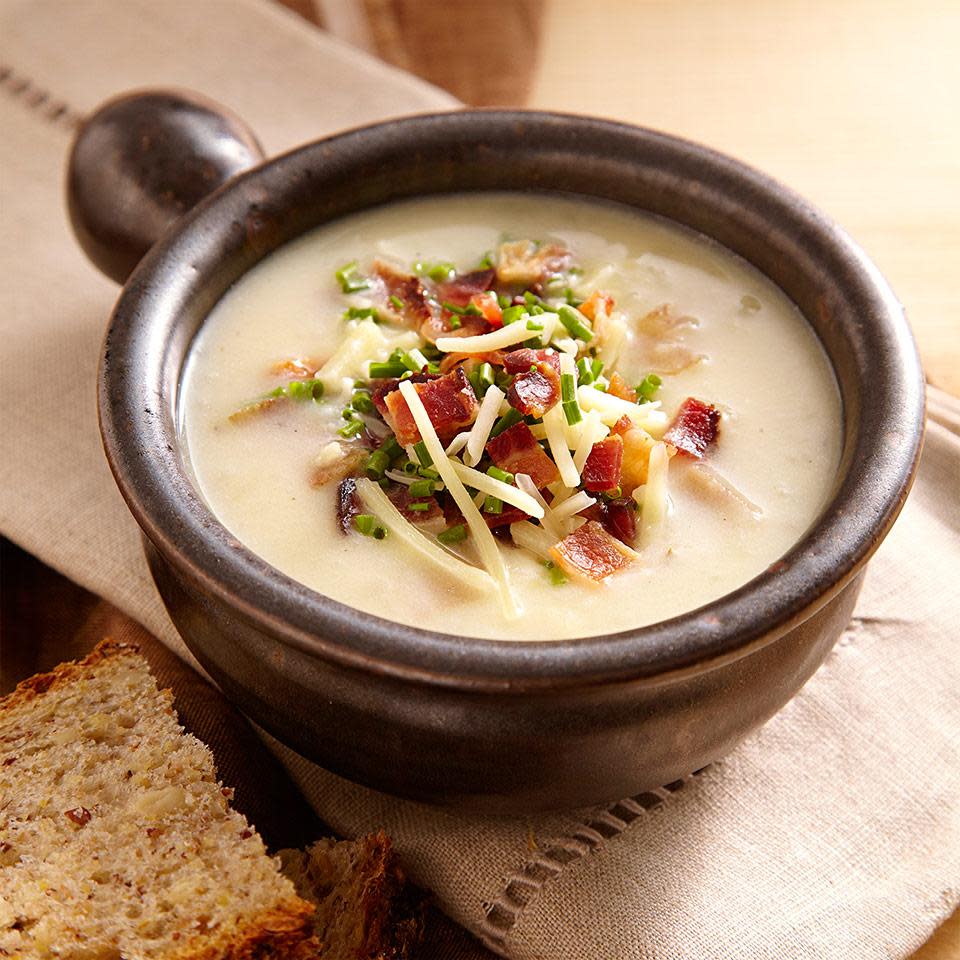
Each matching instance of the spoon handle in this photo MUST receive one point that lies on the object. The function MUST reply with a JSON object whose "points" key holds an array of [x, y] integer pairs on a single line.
{"points": [[141, 161]]}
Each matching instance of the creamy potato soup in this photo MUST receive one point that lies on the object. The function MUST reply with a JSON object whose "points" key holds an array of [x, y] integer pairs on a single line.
{"points": [[511, 416]]}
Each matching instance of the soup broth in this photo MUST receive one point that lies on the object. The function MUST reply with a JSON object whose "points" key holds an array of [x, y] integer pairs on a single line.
{"points": [[684, 310]]}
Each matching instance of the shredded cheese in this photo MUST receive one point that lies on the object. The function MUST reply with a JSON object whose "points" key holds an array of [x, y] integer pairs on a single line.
{"points": [[506, 336], [482, 537], [497, 488], [593, 430], [655, 503], [377, 502], [574, 504], [554, 424], [364, 341], [458, 443], [610, 408], [480, 432], [547, 520]]}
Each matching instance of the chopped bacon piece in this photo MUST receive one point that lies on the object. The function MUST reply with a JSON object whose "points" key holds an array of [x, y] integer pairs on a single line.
{"points": [[489, 306], [603, 465], [622, 426], [533, 393], [662, 331], [520, 361], [596, 300], [516, 450], [591, 553], [400, 497], [524, 264], [470, 360], [464, 287], [619, 388], [348, 503], [694, 427], [449, 401], [620, 519], [337, 465], [258, 406], [295, 367], [508, 515], [439, 325], [406, 288]]}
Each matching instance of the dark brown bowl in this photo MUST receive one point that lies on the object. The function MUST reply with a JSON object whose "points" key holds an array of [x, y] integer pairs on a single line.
{"points": [[521, 725]]}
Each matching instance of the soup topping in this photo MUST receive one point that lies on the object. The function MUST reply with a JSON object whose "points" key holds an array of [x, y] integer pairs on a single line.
{"points": [[487, 405]]}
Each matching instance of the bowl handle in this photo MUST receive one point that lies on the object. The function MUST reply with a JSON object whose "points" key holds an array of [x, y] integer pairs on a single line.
{"points": [[142, 160]]}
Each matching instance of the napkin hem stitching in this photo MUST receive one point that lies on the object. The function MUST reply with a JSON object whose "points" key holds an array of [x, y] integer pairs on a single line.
{"points": [[54, 110]]}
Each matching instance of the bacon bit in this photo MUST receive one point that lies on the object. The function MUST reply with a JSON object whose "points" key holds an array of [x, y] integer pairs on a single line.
{"points": [[533, 393], [257, 406], [516, 450], [618, 388], [449, 401], [406, 288], [520, 361], [507, 516], [596, 299], [488, 305], [464, 288], [351, 456], [620, 519], [694, 427], [623, 426], [295, 368], [470, 360], [603, 466], [439, 326], [662, 330], [348, 503], [78, 815], [591, 553], [523, 264], [400, 497]]}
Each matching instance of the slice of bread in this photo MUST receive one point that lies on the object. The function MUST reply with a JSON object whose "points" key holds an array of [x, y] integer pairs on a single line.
{"points": [[365, 908], [116, 840]]}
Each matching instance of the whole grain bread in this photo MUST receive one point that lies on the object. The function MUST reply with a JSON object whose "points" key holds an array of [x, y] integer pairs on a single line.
{"points": [[116, 839], [365, 909]]}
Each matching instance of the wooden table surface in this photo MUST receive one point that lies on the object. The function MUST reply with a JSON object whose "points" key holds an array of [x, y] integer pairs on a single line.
{"points": [[852, 103]]}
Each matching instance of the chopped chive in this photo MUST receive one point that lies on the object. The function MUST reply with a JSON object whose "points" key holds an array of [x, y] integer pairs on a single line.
{"points": [[410, 468], [351, 429], [423, 455], [453, 308], [576, 323], [499, 474], [511, 417], [422, 488], [361, 402], [571, 410], [377, 464], [536, 310], [453, 534], [492, 505], [350, 280], [531, 299], [513, 314], [300, 390], [366, 523], [454, 322], [486, 375], [388, 370], [486, 262], [348, 413], [570, 298], [503, 301], [647, 388], [533, 325], [615, 494], [568, 388], [584, 371], [418, 507], [438, 272], [472, 310], [414, 360], [391, 448], [396, 302], [429, 473], [361, 313]]}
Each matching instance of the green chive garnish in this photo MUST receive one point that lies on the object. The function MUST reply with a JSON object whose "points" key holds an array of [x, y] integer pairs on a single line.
{"points": [[453, 308], [367, 524], [300, 390], [454, 322], [361, 402], [391, 448], [350, 280], [499, 474], [377, 464], [571, 410], [422, 488], [418, 507], [396, 302], [493, 505], [513, 314], [576, 323], [423, 455], [389, 370], [453, 534], [429, 473], [557, 577], [533, 325], [351, 429], [361, 313], [568, 388], [511, 417], [647, 388]]}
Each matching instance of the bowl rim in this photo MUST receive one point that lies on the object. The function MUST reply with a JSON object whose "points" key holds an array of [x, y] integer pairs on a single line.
{"points": [[139, 380]]}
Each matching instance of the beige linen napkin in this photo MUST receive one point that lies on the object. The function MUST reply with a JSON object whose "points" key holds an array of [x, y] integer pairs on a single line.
{"points": [[834, 831]]}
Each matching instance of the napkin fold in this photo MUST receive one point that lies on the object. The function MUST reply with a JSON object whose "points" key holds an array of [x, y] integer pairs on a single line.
{"points": [[834, 831]]}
